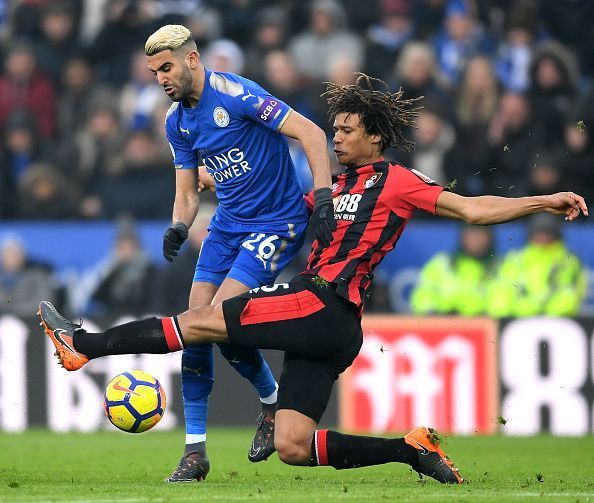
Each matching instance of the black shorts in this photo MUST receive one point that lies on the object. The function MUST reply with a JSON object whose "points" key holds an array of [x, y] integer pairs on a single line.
{"points": [[319, 331]]}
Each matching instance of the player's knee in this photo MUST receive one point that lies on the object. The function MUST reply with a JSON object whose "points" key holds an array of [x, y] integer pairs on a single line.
{"points": [[292, 452]]}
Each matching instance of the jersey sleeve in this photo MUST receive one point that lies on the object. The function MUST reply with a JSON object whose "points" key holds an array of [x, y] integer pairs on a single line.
{"points": [[257, 105], [416, 191], [184, 156]]}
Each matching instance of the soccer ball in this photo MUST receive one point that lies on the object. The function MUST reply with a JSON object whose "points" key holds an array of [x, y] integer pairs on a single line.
{"points": [[134, 401]]}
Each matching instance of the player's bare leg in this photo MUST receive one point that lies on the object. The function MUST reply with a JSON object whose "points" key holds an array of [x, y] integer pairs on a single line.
{"points": [[293, 437]]}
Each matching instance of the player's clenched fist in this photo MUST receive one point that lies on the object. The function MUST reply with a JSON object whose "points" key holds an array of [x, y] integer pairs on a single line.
{"points": [[322, 217], [173, 238]]}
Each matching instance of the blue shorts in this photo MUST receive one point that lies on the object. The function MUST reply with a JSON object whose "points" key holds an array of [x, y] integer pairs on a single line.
{"points": [[249, 254]]}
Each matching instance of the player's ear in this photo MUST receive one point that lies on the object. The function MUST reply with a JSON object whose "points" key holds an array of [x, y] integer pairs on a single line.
{"points": [[375, 139], [192, 58]]}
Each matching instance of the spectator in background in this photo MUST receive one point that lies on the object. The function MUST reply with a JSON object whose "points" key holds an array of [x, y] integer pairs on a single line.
{"points": [[281, 80], [92, 155], [224, 56], [457, 283], [238, 19], [386, 39], [21, 147], [515, 52], [270, 36], [158, 131], [24, 86], [79, 94], [128, 25], [204, 22], [124, 277], [543, 278], [576, 158], [3, 20], [571, 23], [137, 183], [434, 136], [44, 193], [478, 95], [58, 41], [553, 79], [429, 17], [173, 283], [416, 72], [327, 39], [475, 105], [513, 142], [22, 283], [175, 11], [6, 194], [140, 96], [545, 174], [461, 37]]}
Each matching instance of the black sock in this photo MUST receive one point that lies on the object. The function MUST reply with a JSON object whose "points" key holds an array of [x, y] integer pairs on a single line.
{"points": [[330, 448], [199, 447], [151, 335]]}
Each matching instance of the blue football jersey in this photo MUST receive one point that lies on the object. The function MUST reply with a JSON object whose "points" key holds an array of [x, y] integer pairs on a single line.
{"points": [[233, 131]]}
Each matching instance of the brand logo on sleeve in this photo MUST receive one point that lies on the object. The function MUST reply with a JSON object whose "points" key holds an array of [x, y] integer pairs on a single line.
{"points": [[269, 109], [221, 117]]}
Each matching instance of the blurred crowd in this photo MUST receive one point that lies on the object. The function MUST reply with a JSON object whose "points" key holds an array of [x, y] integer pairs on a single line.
{"points": [[508, 92], [508, 107]]}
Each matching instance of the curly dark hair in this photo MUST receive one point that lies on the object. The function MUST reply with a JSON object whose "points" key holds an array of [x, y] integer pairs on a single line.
{"points": [[381, 112]]}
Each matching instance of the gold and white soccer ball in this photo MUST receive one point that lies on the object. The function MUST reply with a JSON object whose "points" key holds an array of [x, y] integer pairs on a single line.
{"points": [[134, 401]]}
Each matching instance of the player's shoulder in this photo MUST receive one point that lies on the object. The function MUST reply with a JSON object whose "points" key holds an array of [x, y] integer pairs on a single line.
{"points": [[411, 175], [231, 85], [172, 115]]}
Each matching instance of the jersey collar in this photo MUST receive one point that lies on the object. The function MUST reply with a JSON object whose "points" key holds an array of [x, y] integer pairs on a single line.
{"points": [[379, 165]]}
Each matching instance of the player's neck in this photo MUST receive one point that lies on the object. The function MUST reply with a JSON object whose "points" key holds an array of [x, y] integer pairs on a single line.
{"points": [[365, 162], [194, 98]]}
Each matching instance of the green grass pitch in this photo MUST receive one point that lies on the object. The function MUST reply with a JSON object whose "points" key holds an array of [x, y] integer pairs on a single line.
{"points": [[112, 466]]}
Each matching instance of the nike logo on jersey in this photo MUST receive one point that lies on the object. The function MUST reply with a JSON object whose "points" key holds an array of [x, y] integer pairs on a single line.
{"points": [[187, 131], [248, 95], [118, 387], [58, 335], [424, 450]]}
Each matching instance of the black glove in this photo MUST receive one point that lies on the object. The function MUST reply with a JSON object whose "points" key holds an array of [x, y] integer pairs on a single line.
{"points": [[322, 217], [173, 238]]}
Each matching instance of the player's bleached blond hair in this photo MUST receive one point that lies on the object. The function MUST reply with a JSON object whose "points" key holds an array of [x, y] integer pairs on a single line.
{"points": [[168, 37]]}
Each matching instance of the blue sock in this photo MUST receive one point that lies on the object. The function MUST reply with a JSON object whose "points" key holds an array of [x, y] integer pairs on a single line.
{"points": [[251, 365], [197, 379]]}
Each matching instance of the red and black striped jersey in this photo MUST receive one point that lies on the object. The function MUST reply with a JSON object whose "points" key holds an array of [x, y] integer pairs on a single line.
{"points": [[372, 205]]}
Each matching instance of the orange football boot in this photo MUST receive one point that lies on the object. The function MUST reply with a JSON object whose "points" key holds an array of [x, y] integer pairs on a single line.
{"points": [[433, 462], [61, 332]]}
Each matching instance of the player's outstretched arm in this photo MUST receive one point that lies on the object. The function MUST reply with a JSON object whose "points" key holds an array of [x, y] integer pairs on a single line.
{"points": [[485, 210]]}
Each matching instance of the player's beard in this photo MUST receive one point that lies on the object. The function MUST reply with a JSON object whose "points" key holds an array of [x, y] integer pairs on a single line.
{"points": [[185, 86]]}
